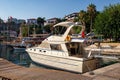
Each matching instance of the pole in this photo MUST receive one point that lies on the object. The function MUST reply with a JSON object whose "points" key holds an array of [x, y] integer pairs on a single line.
{"points": [[28, 29], [34, 31]]}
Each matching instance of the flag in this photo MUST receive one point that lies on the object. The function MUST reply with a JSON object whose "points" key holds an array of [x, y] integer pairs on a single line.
{"points": [[83, 34]]}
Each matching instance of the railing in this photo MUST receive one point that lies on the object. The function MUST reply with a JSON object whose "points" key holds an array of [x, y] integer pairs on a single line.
{"points": [[103, 55]]}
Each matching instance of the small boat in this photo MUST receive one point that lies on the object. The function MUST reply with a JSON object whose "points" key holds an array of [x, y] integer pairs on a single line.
{"points": [[63, 50]]}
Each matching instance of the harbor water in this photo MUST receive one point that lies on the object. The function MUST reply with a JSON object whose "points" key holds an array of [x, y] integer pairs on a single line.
{"points": [[20, 57], [17, 56]]}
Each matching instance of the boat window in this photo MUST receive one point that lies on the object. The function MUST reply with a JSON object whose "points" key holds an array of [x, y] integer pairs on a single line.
{"points": [[34, 49], [55, 47], [40, 50], [44, 51], [75, 49]]}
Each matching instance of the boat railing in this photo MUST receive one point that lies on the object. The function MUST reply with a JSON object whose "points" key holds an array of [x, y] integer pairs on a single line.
{"points": [[99, 54], [75, 35]]}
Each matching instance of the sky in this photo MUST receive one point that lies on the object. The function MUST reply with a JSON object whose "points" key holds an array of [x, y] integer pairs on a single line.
{"points": [[26, 9]]}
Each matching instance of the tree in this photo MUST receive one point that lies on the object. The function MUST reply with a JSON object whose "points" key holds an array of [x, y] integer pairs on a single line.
{"points": [[24, 30], [48, 28], [40, 22], [1, 21], [91, 10], [108, 22], [87, 17], [82, 17], [38, 29]]}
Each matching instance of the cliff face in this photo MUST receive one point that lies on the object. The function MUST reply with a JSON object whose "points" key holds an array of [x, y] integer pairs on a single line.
{"points": [[5, 51]]}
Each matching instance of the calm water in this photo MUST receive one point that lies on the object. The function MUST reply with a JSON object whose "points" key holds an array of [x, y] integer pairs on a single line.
{"points": [[21, 57]]}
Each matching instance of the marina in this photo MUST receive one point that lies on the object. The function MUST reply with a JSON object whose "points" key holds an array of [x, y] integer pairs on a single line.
{"points": [[60, 40], [63, 53]]}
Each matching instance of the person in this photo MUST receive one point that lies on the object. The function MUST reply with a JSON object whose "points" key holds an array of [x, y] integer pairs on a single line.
{"points": [[23, 43]]}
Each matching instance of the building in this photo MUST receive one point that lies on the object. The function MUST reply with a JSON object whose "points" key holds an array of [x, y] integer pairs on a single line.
{"points": [[9, 33], [51, 21], [71, 17], [19, 21], [32, 21], [11, 19], [15, 20]]}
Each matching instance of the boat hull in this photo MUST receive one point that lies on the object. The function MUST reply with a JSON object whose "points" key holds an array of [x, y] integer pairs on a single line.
{"points": [[69, 64]]}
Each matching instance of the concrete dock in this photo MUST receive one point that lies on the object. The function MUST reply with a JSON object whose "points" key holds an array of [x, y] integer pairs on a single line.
{"points": [[10, 71], [111, 72]]}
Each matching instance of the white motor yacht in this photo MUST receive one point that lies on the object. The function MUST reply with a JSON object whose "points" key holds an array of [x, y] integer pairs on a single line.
{"points": [[62, 50]]}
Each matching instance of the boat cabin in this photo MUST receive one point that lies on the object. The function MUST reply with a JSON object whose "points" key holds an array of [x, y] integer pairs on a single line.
{"points": [[62, 40]]}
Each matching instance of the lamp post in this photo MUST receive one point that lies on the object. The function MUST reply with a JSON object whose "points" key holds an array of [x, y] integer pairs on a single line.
{"points": [[34, 34], [28, 29], [7, 30]]}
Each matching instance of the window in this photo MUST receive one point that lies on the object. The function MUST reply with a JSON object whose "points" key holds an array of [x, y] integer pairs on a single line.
{"points": [[75, 49], [55, 47], [44, 51]]}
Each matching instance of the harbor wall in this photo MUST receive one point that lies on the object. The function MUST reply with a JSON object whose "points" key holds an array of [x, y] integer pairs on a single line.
{"points": [[5, 51]]}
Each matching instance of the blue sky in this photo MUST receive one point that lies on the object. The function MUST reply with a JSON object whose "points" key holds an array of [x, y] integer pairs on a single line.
{"points": [[25, 9]]}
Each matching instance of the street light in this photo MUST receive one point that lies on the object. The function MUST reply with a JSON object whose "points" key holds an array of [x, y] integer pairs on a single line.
{"points": [[28, 29], [34, 35]]}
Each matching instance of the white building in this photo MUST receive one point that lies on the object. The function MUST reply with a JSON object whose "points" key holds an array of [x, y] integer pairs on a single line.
{"points": [[71, 17], [51, 21], [32, 21]]}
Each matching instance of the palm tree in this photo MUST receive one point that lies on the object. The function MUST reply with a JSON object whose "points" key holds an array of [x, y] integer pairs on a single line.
{"points": [[82, 18], [91, 10]]}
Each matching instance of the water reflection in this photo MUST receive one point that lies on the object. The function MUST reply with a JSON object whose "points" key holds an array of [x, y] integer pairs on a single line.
{"points": [[20, 57]]}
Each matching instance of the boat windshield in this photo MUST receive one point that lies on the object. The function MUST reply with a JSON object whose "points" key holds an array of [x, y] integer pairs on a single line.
{"points": [[59, 30]]}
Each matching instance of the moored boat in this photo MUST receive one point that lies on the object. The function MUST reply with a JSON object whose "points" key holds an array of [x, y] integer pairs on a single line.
{"points": [[63, 50]]}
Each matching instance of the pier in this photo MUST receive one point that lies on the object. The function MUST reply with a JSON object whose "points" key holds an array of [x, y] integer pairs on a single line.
{"points": [[111, 72], [10, 71]]}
